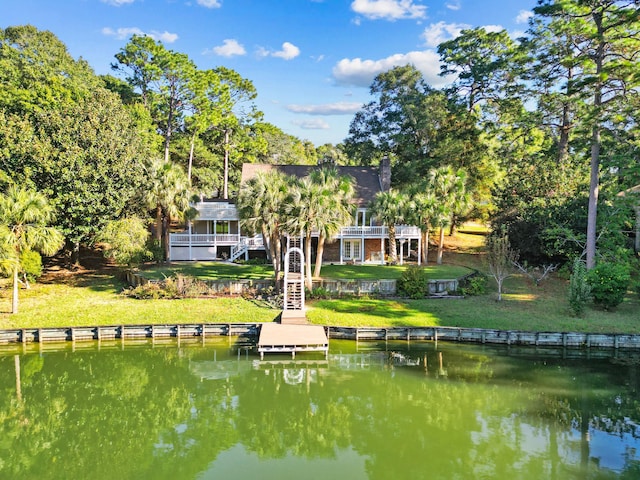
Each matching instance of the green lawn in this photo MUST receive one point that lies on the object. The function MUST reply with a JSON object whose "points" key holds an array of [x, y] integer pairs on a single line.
{"points": [[209, 271], [364, 272], [524, 307], [96, 300], [221, 270]]}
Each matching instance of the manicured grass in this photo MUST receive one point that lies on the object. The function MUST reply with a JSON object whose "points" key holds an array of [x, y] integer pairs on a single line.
{"points": [[220, 270], [96, 300], [364, 272], [524, 307], [209, 271]]}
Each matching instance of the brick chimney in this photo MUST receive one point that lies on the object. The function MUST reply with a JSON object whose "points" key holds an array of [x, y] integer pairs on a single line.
{"points": [[385, 173]]}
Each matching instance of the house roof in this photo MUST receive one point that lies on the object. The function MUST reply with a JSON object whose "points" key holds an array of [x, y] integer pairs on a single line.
{"points": [[366, 179]]}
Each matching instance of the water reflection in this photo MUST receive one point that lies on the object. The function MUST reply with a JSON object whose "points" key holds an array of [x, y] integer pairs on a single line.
{"points": [[417, 411]]}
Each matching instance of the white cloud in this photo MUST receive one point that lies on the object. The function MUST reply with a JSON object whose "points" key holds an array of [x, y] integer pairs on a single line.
{"points": [[312, 124], [361, 73], [210, 3], [436, 33], [524, 16], [124, 33], [388, 9], [229, 48], [117, 3], [288, 52], [455, 5], [339, 108]]}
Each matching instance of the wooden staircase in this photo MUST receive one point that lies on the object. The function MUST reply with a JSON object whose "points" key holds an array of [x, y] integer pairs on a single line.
{"points": [[293, 312]]}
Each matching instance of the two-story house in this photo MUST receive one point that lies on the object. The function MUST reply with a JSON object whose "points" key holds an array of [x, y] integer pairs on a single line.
{"points": [[216, 233]]}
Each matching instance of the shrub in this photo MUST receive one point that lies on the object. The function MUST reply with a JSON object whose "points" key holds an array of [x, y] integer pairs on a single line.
{"points": [[608, 282], [319, 293], [413, 282], [30, 264], [474, 285], [125, 241], [579, 289]]}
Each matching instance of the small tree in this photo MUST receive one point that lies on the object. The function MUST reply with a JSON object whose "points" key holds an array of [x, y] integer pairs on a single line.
{"points": [[125, 241], [579, 289], [24, 216], [500, 258]]}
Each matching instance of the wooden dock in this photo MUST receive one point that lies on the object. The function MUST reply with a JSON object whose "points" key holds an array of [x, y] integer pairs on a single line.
{"points": [[277, 338]]}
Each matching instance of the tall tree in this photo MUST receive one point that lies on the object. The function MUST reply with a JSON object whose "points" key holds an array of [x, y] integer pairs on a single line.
{"points": [[423, 211], [24, 219], [86, 158], [261, 203], [606, 48], [452, 200], [486, 65], [165, 80], [37, 73], [338, 207], [320, 202], [389, 209], [167, 192]]}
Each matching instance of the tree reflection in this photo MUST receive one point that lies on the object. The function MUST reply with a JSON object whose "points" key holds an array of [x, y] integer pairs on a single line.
{"points": [[168, 413]]}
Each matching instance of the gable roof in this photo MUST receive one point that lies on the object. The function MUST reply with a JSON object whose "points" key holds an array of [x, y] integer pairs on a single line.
{"points": [[366, 179]]}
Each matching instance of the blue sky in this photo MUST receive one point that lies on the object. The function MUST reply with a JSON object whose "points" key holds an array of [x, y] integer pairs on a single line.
{"points": [[312, 61]]}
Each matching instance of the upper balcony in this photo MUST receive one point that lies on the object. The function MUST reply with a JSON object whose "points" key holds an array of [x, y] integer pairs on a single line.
{"points": [[402, 232], [216, 211]]}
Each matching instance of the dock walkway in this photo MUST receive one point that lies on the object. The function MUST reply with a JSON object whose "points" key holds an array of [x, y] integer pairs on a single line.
{"points": [[277, 338]]}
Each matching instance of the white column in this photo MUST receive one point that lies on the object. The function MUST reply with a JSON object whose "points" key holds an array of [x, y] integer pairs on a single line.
{"points": [[190, 241], [419, 250], [382, 251], [341, 250]]}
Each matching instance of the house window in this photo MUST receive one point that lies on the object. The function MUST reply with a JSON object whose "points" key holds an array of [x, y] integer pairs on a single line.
{"points": [[361, 218], [222, 228], [352, 249]]}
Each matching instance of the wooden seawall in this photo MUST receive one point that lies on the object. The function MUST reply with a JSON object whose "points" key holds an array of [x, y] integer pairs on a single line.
{"points": [[570, 340]]}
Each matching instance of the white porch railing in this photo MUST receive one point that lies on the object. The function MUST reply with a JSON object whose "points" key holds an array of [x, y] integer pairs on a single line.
{"points": [[402, 231], [245, 244], [181, 239]]}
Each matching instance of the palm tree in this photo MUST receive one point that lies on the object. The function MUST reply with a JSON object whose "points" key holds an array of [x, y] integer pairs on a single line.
{"points": [[24, 216], [302, 209], [390, 209], [319, 202], [167, 192], [449, 187], [337, 211], [422, 211], [260, 205]]}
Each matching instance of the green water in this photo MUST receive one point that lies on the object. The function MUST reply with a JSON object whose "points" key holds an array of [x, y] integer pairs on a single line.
{"points": [[193, 412]]}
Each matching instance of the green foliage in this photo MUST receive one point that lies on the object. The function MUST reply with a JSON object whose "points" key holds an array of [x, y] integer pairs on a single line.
{"points": [[156, 251], [319, 293], [474, 285], [24, 216], [31, 264], [177, 286], [579, 289], [608, 282], [413, 282], [126, 241]]}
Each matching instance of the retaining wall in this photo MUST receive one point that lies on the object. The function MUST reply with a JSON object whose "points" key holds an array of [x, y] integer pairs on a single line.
{"points": [[436, 287], [565, 340]]}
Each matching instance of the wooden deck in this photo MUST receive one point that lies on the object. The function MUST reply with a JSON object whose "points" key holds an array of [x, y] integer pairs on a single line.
{"points": [[277, 338]]}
